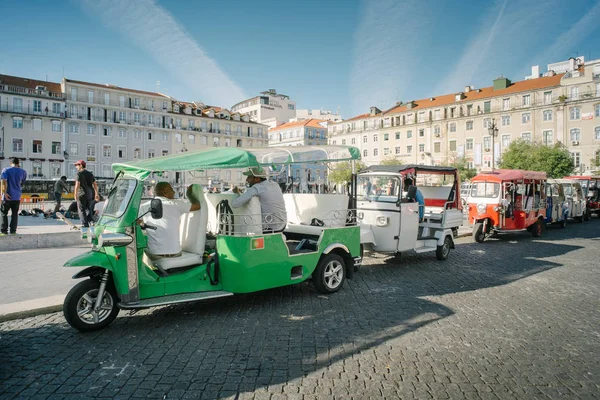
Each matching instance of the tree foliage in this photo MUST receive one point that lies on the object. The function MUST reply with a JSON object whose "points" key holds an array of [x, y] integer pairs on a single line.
{"points": [[555, 160], [390, 161], [461, 164], [342, 171]]}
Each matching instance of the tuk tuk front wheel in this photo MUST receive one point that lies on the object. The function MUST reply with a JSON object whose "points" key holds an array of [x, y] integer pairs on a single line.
{"points": [[443, 251], [478, 233], [330, 274], [78, 307]]}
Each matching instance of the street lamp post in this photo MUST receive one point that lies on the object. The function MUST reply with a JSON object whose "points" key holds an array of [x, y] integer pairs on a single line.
{"points": [[493, 131]]}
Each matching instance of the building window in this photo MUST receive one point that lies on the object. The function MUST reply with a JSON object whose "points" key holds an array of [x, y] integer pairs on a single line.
{"points": [[343, 142], [164, 137], [452, 126], [137, 134], [217, 142], [122, 133], [106, 131], [192, 139], [290, 106], [17, 145], [56, 109], [526, 100], [469, 125], [597, 110], [136, 102], [525, 118], [452, 145], [37, 168], [547, 115], [548, 97], [597, 133], [150, 135], [547, 137], [107, 99], [122, 152], [90, 97], [421, 147], [74, 129], [486, 123], [55, 167], [526, 136], [365, 154], [364, 139], [409, 149], [91, 150], [56, 126], [505, 141], [505, 104], [505, 120], [575, 113], [37, 106], [375, 152], [17, 123], [386, 136], [150, 153], [164, 152], [73, 94], [56, 148], [397, 135], [397, 150], [421, 132], [386, 151], [574, 93], [136, 118], [375, 138], [137, 153], [37, 147], [421, 116], [91, 129], [436, 130], [487, 106], [469, 144], [437, 147], [178, 137], [575, 135], [74, 148], [121, 116], [487, 143], [353, 140], [408, 134], [106, 151], [576, 157]]}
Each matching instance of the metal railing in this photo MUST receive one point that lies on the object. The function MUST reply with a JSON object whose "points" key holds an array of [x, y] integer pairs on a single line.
{"points": [[29, 110], [31, 92]]}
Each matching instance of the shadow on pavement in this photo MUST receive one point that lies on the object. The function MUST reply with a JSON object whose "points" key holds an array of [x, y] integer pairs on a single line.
{"points": [[255, 341]]}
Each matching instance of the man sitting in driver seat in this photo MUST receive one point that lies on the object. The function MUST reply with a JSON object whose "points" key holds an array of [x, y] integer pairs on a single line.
{"points": [[418, 197], [164, 241]]}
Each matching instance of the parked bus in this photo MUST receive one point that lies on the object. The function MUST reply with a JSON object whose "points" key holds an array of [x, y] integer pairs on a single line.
{"points": [[43, 189]]}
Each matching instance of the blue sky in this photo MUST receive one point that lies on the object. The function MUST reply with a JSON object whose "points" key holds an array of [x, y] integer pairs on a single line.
{"points": [[349, 54]]}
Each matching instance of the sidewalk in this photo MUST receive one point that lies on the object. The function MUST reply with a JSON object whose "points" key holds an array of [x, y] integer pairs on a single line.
{"points": [[39, 232]]}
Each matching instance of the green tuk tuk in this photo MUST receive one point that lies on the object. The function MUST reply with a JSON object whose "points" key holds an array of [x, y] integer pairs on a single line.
{"points": [[223, 253]]}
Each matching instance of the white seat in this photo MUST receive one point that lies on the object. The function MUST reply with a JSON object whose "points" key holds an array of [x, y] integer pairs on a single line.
{"points": [[247, 218], [192, 236], [301, 208]]}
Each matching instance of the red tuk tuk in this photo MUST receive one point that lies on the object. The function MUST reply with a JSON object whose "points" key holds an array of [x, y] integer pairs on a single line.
{"points": [[591, 191], [506, 200]]}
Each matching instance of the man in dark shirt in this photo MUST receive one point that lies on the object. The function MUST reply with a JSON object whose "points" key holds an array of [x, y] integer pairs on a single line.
{"points": [[11, 181], [59, 187], [86, 190]]}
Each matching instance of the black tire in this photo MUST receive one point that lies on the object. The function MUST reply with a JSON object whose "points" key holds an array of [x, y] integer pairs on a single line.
{"points": [[587, 215], [330, 274], [537, 228], [579, 219], [362, 258], [78, 299], [478, 233], [443, 251]]}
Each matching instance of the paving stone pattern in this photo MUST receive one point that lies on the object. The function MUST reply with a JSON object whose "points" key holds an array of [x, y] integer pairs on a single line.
{"points": [[511, 318]]}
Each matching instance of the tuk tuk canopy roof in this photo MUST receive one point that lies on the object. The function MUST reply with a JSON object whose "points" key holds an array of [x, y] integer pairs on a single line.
{"points": [[501, 175], [583, 177], [412, 169], [236, 157]]}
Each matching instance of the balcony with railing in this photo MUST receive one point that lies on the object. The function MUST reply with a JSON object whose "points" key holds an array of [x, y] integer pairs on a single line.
{"points": [[29, 110], [31, 92]]}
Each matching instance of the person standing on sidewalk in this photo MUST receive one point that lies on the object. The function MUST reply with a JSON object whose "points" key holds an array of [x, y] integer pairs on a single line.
{"points": [[59, 187], [86, 191], [11, 182]]}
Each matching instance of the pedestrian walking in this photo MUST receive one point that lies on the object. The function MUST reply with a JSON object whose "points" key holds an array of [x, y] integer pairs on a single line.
{"points": [[11, 183], [86, 191], [59, 187]]}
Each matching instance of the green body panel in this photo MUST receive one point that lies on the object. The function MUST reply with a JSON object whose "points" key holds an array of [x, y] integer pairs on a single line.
{"points": [[244, 270]]}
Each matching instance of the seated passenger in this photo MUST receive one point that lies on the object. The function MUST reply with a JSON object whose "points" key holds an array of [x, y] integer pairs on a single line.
{"points": [[507, 204], [418, 197], [272, 205], [164, 242]]}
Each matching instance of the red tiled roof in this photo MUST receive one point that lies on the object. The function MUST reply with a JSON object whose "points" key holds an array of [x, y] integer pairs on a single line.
{"points": [[107, 86], [313, 123], [53, 87]]}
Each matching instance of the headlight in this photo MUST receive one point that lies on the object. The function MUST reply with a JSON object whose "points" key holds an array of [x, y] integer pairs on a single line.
{"points": [[481, 208], [381, 221], [114, 239]]}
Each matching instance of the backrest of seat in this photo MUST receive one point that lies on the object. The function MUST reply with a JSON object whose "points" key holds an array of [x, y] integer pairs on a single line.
{"points": [[192, 226], [247, 219], [301, 208]]}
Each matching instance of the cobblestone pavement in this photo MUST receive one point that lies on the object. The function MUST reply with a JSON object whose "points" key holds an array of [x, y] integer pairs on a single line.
{"points": [[511, 318]]}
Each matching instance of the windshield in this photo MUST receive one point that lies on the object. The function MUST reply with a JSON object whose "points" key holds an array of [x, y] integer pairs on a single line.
{"points": [[485, 189], [568, 190], [119, 197], [382, 188]]}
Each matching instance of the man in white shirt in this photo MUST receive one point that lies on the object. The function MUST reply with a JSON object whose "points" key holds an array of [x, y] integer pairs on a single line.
{"points": [[164, 241], [272, 205]]}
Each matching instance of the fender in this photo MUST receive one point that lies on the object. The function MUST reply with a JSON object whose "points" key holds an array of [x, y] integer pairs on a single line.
{"points": [[91, 258], [441, 236], [367, 236], [89, 272], [349, 259]]}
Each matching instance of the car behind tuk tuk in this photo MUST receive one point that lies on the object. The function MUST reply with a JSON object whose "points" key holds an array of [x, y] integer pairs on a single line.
{"points": [[505, 201], [224, 251]]}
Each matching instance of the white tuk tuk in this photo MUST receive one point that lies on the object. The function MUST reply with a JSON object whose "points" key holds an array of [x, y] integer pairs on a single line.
{"points": [[574, 197], [390, 219]]}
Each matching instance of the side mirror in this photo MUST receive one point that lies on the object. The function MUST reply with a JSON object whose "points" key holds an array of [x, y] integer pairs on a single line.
{"points": [[156, 209]]}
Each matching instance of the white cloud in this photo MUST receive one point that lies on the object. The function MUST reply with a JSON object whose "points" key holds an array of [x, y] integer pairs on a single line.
{"points": [[154, 29]]}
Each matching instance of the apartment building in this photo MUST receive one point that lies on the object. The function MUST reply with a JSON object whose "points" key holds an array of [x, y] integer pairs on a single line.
{"points": [[304, 114], [199, 126], [553, 108], [32, 123], [269, 108], [310, 132]]}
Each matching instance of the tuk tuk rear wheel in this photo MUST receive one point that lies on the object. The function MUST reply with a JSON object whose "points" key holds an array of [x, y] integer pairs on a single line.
{"points": [[536, 229], [587, 215], [79, 303], [443, 251], [478, 233], [330, 274]]}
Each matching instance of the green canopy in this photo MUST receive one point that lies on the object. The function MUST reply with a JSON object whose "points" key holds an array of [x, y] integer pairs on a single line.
{"points": [[235, 157]]}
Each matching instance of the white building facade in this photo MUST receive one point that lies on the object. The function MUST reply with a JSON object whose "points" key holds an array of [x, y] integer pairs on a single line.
{"points": [[32, 126], [270, 108]]}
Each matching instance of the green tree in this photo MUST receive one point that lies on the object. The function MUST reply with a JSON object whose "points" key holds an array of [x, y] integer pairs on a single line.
{"points": [[390, 161], [343, 171], [555, 160], [462, 165]]}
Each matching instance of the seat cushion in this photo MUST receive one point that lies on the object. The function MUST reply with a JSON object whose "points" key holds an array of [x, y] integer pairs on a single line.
{"points": [[177, 262]]}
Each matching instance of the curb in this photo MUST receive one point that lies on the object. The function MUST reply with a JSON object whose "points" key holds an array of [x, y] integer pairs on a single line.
{"points": [[41, 241], [31, 308]]}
